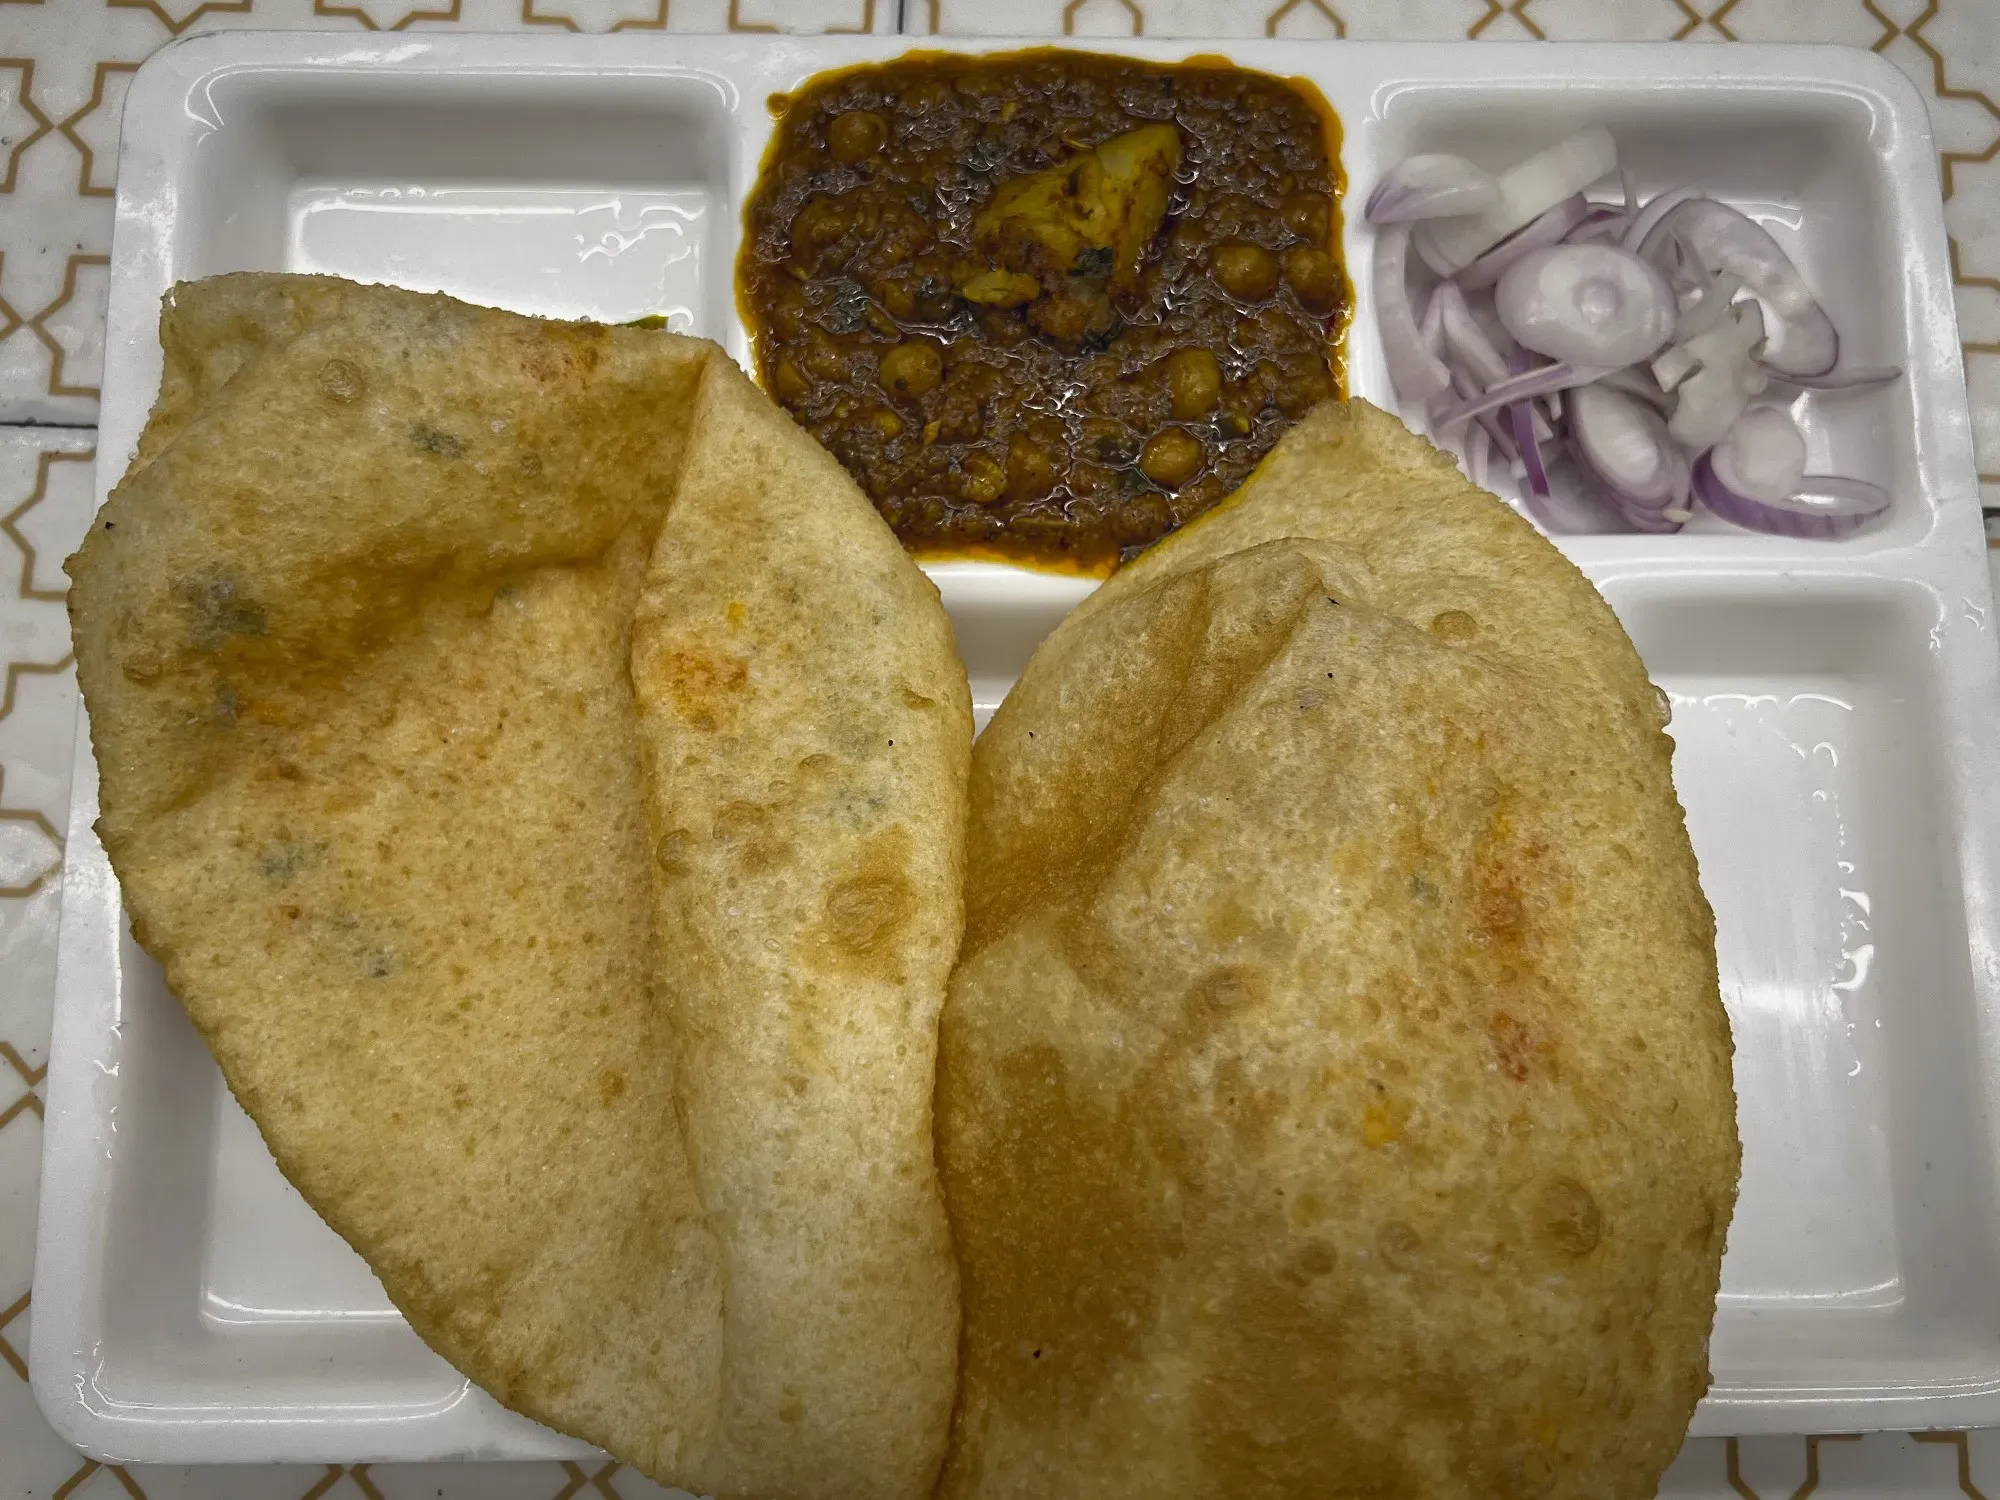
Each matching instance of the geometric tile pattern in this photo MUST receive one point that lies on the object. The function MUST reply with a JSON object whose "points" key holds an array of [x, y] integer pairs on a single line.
{"points": [[64, 69]]}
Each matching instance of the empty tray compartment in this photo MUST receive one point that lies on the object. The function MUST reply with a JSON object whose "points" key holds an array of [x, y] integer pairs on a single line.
{"points": [[606, 198], [1806, 726]]}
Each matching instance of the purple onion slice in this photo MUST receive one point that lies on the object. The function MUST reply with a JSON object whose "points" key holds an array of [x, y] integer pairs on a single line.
{"points": [[1824, 507]]}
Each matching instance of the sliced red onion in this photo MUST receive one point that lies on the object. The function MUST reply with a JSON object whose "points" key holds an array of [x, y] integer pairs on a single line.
{"points": [[1431, 186], [1465, 338], [1527, 191], [1430, 322], [1693, 352], [1521, 416], [1494, 423], [1762, 456], [1673, 365], [1726, 240], [1714, 396], [1689, 272], [1710, 307], [1434, 263], [1647, 219], [1520, 362], [1478, 456], [1655, 522], [1496, 428], [1417, 374], [1567, 510], [1625, 446], [1600, 222], [1680, 509], [1713, 292], [1845, 382], [1588, 303], [1824, 507], [1634, 381], [1536, 382], [1571, 510], [1806, 346], [1463, 388], [1709, 401], [1467, 388], [1549, 229], [1489, 324]]}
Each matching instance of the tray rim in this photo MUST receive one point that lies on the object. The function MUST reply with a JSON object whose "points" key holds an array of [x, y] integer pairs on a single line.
{"points": [[1947, 558]]}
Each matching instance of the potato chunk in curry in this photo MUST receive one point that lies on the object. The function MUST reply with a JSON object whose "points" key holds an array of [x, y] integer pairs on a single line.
{"points": [[1093, 214]]}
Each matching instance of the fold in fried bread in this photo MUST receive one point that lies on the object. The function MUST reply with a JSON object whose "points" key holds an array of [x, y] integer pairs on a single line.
{"points": [[468, 923], [1334, 1093]]}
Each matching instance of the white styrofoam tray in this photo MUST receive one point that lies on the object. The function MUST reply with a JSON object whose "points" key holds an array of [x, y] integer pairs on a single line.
{"points": [[1835, 704]]}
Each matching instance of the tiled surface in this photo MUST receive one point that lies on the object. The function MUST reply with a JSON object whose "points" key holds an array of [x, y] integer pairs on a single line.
{"points": [[64, 65]]}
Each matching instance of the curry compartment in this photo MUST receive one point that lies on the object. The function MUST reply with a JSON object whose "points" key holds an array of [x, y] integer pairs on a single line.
{"points": [[1049, 305]]}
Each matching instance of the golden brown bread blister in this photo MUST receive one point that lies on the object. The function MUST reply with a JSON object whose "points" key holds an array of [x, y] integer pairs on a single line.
{"points": [[807, 726], [1334, 1092], [356, 639]]}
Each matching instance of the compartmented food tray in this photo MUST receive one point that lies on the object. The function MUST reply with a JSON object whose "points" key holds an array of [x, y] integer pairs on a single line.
{"points": [[1835, 703]]}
